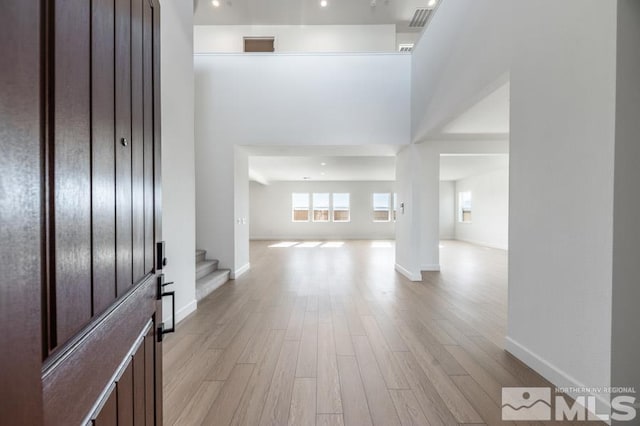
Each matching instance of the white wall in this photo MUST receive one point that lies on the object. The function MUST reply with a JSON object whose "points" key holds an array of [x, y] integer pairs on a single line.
{"points": [[626, 291], [489, 225], [563, 80], [447, 210], [271, 212], [463, 55], [178, 176], [279, 99], [297, 38], [560, 59], [241, 211], [333, 99]]}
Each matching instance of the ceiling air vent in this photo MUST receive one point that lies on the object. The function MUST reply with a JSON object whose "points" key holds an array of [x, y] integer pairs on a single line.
{"points": [[420, 18], [405, 47]]}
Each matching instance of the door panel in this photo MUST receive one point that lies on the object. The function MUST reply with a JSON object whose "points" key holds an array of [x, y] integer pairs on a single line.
{"points": [[148, 130], [123, 147], [157, 192], [137, 140], [103, 159], [109, 413], [138, 385], [70, 150], [124, 388], [21, 212], [150, 379], [82, 375]]}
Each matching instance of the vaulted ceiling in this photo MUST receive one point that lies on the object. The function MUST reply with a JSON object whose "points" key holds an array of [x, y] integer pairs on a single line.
{"points": [[310, 12]]}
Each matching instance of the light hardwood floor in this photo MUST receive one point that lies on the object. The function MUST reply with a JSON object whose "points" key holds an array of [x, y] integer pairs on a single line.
{"points": [[334, 336]]}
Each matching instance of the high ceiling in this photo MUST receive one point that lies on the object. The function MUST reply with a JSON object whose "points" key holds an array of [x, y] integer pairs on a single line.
{"points": [[309, 12], [334, 168], [265, 169]]}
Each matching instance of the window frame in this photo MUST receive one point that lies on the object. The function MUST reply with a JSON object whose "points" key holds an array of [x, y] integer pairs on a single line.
{"points": [[461, 209], [333, 207], [293, 207], [267, 39], [388, 210], [313, 207], [394, 201]]}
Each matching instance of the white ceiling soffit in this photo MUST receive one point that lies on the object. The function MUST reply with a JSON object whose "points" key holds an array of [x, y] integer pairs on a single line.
{"points": [[309, 12], [257, 177], [322, 168], [488, 116], [456, 167], [323, 150]]}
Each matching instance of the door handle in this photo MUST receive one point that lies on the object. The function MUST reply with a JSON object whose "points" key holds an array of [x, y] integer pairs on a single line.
{"points": [[160, 293]]}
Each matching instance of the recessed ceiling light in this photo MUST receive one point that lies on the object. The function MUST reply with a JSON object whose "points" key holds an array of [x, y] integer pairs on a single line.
{"points": [[215, 3], [322, 173], [323, 164], [324, 3], [432, 3]]}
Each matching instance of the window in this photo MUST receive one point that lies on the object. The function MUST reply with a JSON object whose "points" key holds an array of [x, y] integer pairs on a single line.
{"points": [[381, 207], [395, 206], [300, 207], [464, 207], [341, 208], [259, 44], [321, 207]]}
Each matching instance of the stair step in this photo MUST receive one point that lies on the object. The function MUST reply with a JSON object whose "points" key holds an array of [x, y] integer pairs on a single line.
{"points": [[200, 255], [205, 267], [208, 283]]}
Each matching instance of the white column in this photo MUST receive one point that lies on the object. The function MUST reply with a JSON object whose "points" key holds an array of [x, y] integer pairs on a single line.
{"points": [[428, 187], [408, 166]]}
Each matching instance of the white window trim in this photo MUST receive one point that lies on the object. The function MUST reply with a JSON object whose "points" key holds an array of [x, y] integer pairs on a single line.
{"points": [[293, 210], [333, 208], [460, 211], [313, 208], [389, 209], [394, 202]]}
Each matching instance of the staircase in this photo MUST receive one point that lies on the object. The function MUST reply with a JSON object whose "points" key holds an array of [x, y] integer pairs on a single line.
{"points": [[208, 276]]}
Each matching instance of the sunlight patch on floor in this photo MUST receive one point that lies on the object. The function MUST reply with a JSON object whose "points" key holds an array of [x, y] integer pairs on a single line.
{"points": [[333, 244], [284, 244], [309, 244]]}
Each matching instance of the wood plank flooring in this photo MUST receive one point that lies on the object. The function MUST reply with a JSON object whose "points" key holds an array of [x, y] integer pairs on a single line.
{"points": [[334, 336]]}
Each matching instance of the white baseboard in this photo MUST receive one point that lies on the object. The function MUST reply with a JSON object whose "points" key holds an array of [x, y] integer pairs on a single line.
{"points": [[435, 267], [552, 373], [241, 270], [301, 238], [183, 312], [408, 274]]}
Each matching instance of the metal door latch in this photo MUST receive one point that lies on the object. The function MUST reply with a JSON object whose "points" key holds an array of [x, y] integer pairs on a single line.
{"points": [[160, 293]]}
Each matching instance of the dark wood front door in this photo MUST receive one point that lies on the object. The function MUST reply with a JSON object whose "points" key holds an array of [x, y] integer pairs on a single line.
{"points": [[80, 213]]}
